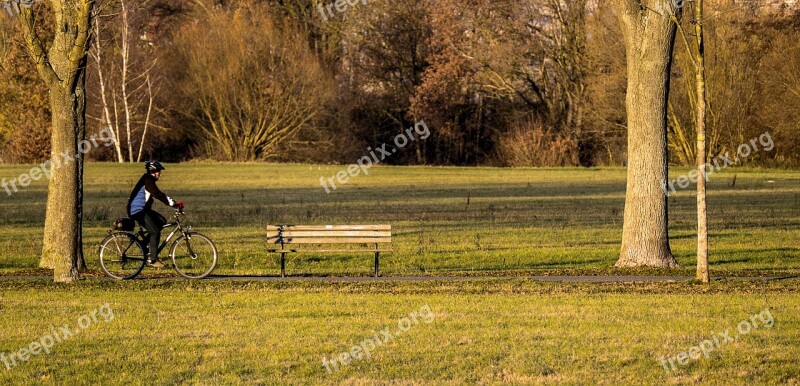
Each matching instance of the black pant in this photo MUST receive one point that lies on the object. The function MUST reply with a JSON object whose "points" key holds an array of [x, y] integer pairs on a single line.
{"points": [[153, 222]]}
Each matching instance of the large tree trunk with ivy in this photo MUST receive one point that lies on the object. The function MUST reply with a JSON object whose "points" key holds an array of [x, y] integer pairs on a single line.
{"points": [[63, 68], [649, 38]]}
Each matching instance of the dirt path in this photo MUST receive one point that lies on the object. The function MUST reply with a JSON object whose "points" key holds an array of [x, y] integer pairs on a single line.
{"points": [[557, 279]]}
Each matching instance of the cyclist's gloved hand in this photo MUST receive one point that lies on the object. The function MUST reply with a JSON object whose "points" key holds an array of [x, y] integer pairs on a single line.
{"points": [[179, 205]]}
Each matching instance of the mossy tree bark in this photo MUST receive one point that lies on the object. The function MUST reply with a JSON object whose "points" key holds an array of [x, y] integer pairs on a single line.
{"points": [[649, 38], [63, 68]]}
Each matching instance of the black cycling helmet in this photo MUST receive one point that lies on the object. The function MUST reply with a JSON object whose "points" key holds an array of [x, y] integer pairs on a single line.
{"points": [[153, 166]]}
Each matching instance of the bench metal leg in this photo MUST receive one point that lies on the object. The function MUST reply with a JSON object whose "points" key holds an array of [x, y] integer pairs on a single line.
{"points": [[283, 265], [377, 262]]}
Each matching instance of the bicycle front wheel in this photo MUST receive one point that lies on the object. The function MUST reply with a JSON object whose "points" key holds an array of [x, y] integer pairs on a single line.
{"points": [[121, 256], [194, 257]]}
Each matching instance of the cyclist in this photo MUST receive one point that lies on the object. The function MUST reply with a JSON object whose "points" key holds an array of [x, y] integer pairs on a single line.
{"points": [[140, 208]]}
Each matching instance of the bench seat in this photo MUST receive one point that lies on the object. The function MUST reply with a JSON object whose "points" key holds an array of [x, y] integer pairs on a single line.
{"points": [[286, 239]]}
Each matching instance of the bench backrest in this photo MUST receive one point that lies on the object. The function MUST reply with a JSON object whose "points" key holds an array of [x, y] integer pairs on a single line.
{"points": [[329, 234]]}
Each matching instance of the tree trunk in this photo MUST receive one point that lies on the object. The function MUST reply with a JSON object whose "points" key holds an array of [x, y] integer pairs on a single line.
{"points": [[63, 69], [62, 248], [649, 41], [702, 210]]}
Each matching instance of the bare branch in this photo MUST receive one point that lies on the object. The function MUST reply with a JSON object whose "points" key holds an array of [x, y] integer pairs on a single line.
{"points": [[35, 47]]}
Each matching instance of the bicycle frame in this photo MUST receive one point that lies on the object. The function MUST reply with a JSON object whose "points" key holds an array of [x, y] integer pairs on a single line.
{"points": [[178, 228]]}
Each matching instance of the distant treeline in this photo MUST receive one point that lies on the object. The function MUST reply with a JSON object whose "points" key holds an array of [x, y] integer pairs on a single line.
{"points": [[498, 82]]}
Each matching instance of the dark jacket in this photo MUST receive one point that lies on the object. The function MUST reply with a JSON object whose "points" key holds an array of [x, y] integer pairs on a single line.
{"points": [[143, 194]]}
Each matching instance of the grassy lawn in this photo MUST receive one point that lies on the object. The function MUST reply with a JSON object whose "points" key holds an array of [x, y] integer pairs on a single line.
{"points": [[446, 220], [484, 332]]}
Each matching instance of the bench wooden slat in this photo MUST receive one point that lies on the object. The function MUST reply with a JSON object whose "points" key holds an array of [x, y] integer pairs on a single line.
{"points": [[335, 234], [328, 250], [382, 227], [286, 236], [333, 240], [344, 239]]}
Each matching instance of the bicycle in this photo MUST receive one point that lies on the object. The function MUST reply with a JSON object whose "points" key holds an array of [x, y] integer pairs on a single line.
{"points": [[123, 256]]}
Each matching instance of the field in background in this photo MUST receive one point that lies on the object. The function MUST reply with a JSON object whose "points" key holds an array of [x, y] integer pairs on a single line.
{"points": [[446, 220]]}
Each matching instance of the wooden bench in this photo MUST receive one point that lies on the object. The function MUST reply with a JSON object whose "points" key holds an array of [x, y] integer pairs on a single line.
{"points": [[328, 238]]}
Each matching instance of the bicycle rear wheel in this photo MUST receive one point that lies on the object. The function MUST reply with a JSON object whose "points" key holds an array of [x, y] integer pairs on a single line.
{"points": [[194, 257], [121, 256]]}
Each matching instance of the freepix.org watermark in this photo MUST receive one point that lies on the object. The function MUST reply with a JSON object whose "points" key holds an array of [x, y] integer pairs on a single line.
{"points": [[45, 169], [707, 346], [365, 348], [340, 5], [721, 162], [56, 335], [375, 156]]}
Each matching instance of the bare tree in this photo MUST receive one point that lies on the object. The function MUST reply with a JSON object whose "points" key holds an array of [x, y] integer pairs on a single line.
{"points": [[649, 38], [123, 84], [695, 48], [559, 29], [253, 83], [62, 66], [700, 79], [702, 208]]}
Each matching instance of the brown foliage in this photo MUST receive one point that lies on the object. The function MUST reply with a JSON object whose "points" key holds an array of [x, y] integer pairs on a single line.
{"points": [[475, 71], [530, 144], [24, 106], [251, 83], [496, 63], [752, 77]]}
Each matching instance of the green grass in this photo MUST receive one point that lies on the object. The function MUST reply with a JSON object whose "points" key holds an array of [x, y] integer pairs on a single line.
{"points": [[446, 220], [484, 332]]}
